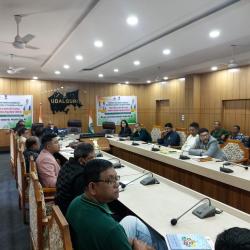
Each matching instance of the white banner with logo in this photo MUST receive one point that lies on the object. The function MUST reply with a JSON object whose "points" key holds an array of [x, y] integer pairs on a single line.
{"points": [[116, 108], [14, 108]]}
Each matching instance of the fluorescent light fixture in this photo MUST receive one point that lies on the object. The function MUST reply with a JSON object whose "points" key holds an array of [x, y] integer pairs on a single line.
{"points": [[136, 63], [162, 82], [57, 72], [182, 79], [127, 82], [132, 20], [234, 70], [214, 33], [165, 78], [214, 68], [100, 75], [166, 52], [35, 78], [66, 66], [148, 81], [79, 57], [116, 70], [98, 43]]}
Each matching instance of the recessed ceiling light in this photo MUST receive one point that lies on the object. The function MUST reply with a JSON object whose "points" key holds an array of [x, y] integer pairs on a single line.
{"points": [[98, 43], [162, 83], [66, 66], [57, 72], [233, 70], [132, 20], [214, 68], [127, 82], [148, 81], [214, 33], [166, 52], [34, 77], [182, 79], [116, 70], [136, 63], [100, 75], [61, 87], [165, 78], [79, 57]]}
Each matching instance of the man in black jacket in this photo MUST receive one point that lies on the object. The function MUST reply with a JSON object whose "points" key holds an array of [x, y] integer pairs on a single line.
{"points": [[70, 178]]}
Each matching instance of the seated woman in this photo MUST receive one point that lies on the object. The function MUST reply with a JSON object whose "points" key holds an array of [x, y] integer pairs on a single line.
{"points": [[125, 129]]}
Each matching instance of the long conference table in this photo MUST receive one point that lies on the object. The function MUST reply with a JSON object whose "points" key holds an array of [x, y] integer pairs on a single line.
{"points": [[205, 177], [158, 204]]}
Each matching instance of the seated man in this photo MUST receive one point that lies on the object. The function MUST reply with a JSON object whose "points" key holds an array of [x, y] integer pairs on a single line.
{"points": [[51, 129], [32, 145], [140, 134], [233, 239], [91, 223], [169, 137], [47, 166], [236, 134], [70, 178], [207, 145], [219, 133], [189, 143]]}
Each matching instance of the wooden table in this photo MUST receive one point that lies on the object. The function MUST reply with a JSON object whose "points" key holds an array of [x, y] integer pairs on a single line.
{"points": [[204, 177]]}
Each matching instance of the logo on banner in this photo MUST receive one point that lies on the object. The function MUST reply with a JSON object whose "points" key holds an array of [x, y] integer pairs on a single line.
{"points": [[60, 103]]}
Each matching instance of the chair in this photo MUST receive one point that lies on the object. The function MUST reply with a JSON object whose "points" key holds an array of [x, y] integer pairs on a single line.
{"points": [[13, 152], [156, 133], [74, 126], [235, 151], [35, 126], [38, 217], [22, 185], [183, 136], [49, 192], [108, 127], [103, 144], [59, 234]]}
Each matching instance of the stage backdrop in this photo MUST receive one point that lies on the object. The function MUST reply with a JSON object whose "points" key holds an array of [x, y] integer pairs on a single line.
{"points": [[116, 108], [14, 108]]}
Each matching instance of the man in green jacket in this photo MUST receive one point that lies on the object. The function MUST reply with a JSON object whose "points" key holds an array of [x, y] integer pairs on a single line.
{"points": [[91, 223], [219, 133]]}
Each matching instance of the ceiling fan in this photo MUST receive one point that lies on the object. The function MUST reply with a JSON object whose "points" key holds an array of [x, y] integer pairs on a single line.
{"points": [[13, 70], [232, 62], [21, 42]]}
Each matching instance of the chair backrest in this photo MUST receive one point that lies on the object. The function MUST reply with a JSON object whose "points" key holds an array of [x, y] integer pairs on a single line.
{"points": [[37, 212], [33, 167], [22, 183], [235, 151], [108, 127], [13, 152], [103, 144], [59, 234], [156, 133], [74, 126], [183, 136]]}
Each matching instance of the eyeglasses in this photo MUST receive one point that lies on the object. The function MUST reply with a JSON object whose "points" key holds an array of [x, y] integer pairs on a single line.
{"points": [[110, 181]]}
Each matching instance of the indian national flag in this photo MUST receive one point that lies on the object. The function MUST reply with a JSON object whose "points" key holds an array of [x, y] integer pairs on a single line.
{"points": [[91, 125]]}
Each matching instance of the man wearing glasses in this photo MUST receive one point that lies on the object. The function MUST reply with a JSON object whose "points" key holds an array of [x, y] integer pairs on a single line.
{"points": [[90, 219], [207, 145]]}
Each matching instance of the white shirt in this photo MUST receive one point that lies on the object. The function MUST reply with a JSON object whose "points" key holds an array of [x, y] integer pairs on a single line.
{"points": [[189, 143]]}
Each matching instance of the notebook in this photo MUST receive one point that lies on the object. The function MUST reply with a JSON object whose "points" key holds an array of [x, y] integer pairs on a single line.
{"points": [[187, 241]]}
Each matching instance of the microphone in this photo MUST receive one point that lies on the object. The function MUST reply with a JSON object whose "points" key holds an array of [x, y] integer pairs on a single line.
{"points": [[203, 211], [155, 149], [226, 170], [235, 164], [123, 185], [116, 164], [182, 156], [99, 153], [135, 143]]}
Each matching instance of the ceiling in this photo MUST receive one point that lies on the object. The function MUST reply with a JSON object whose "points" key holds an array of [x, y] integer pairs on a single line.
{"points": [[64, 29]]}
